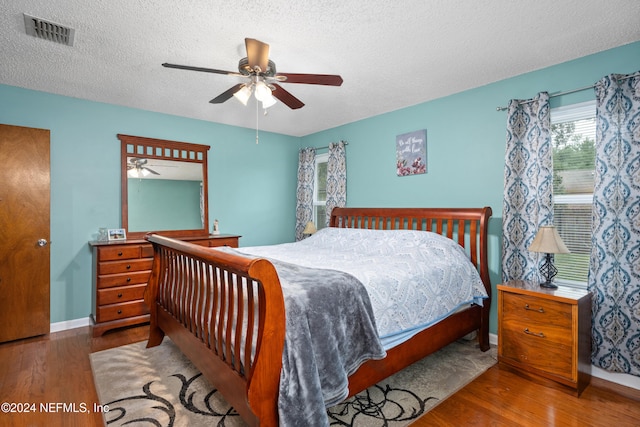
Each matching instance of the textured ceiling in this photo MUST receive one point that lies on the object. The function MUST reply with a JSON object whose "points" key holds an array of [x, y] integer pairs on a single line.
{"points": [[391, 54]]}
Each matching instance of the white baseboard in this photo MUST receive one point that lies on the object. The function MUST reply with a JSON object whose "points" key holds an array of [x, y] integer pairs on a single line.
{"points": [[69, 324], [622, 379], [493, 339]]}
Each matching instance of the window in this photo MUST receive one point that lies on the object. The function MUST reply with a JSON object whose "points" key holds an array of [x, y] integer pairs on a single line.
{"points": [[320, 191], [573, 135]]}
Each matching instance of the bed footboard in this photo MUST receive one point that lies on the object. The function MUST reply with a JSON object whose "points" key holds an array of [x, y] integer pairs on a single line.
{"points": [[226, 314]]}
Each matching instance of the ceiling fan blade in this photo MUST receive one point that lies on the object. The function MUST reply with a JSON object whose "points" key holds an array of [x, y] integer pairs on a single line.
{"points": [[152, 171], [226, 94], [311, 79], [205, 70], [286, 98], [257, 54]]}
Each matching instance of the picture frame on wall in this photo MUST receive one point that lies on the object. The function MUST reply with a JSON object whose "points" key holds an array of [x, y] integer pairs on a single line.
{"points": [[411, 153], [115, 234]]}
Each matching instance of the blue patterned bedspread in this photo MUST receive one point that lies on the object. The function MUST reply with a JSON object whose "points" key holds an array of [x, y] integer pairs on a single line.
{"points": [[413, 278]]}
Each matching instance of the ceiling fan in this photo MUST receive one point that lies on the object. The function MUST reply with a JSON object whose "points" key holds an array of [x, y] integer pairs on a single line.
{"points": [[263, 79], [137, 168]]}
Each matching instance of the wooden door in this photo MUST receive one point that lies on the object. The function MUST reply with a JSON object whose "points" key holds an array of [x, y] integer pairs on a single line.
{"points": [[24, 232]]}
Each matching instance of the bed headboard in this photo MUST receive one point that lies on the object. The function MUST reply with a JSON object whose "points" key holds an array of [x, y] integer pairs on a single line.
{"points": [[467, 226]]}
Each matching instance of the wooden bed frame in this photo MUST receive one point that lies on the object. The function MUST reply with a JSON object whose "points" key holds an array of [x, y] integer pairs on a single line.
{"points": [[197, 295]]}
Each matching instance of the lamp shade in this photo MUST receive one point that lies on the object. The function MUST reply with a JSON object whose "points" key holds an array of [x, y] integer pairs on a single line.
{"points": [[268, 101], [243, 94], [548, 241], [262, 91], [310, 228]]}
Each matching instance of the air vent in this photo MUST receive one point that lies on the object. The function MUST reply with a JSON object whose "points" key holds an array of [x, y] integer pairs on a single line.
{"points": [[48, 30]]}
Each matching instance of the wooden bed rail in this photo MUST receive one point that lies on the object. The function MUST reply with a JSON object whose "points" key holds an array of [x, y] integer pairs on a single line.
{"points": [[198, 296]]}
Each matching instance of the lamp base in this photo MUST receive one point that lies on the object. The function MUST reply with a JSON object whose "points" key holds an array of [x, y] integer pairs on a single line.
{"points": [[548, 271], [548, 285]]}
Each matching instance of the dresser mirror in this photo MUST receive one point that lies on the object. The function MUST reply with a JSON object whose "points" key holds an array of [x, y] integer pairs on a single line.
{"points": [[164, 187]]}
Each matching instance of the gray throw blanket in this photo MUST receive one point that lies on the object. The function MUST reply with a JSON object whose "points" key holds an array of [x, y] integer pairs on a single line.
{"points": [[330, 332]]}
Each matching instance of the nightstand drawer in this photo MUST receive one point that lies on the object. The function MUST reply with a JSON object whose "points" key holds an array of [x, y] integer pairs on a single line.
{"points": [[535, 349], [539, 317]]}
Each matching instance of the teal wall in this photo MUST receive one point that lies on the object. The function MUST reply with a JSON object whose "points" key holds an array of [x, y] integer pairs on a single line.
{"points": [[465, 143], [252, 187]]}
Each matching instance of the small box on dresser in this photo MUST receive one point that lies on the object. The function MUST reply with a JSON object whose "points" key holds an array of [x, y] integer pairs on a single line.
{"points": [[546, 332], [121, 270]]}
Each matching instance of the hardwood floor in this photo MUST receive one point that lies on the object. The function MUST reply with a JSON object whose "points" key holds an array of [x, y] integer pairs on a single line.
{"points": [[502, 397], [52, 375], [41, 375]]}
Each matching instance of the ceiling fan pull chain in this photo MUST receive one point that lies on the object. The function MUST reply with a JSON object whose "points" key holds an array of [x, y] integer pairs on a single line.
{"points": [[257, 118]]}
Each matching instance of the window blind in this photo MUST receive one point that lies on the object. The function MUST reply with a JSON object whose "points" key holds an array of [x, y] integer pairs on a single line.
{"points": [[573, 130]]}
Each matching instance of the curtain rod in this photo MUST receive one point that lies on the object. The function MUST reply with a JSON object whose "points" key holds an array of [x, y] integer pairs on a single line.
{"points": [[324, 148], [573, 90]]}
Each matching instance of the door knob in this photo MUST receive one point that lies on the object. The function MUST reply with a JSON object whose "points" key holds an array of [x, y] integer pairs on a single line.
{"points": [[42, 242]]}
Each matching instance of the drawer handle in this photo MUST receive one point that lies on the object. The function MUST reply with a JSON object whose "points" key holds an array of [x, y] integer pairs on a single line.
{"points": [[119, 253], [128, 266], [528, 332], [119, 311], [539, 310], [128, 279], [120, 295]]}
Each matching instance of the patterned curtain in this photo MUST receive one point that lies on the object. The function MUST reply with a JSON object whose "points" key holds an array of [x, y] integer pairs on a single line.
{"points": [[336, 178], [614, 275], [528, 185], [304, 205]]}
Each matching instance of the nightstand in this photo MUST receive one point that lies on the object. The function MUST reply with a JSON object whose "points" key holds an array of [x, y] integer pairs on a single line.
{"points": [[546, 332]]}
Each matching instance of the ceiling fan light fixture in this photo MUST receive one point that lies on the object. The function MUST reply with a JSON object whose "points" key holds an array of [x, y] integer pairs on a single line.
{"points": [[243, 95], [262, 91], [269, 101]]}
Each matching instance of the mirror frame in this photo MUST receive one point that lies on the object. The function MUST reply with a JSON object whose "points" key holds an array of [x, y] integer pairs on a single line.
{"points": [[161, 149]]}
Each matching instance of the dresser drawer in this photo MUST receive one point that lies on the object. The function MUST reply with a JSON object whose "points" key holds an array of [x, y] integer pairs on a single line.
{"points": [[115, 267], [218, 241], [146, 251], [120, 294], [132, 278], [113, 253], [110, 312]]}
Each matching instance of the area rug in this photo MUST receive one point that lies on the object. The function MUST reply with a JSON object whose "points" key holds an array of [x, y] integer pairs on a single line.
{"points": [[160, 387]]}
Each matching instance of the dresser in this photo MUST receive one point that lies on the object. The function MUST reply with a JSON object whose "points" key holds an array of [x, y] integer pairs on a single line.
{"points": [[546, 332], [121, 270]]}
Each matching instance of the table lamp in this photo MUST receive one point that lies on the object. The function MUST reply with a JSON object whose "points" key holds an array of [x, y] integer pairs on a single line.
{"points": [[548, 241], [310, 228]]}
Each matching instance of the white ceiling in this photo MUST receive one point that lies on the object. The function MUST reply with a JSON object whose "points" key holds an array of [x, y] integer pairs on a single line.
{"points": [[391, 54]]}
